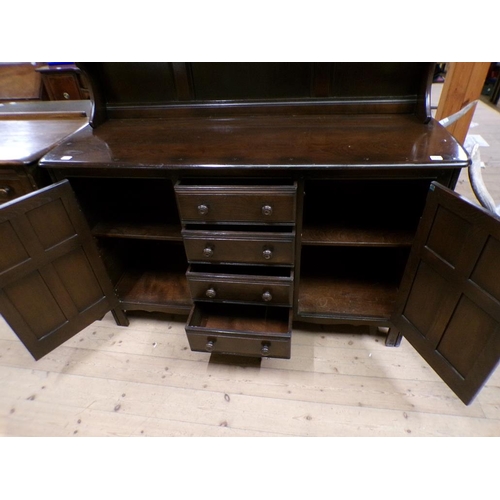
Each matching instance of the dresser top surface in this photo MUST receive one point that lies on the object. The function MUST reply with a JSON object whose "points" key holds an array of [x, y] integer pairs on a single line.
{"points": [[277, 142]]}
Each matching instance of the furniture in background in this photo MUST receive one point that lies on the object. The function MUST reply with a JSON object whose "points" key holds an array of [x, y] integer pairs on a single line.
{"points": [[19, 82], [493, 80], [28, 130], [63, 82]]}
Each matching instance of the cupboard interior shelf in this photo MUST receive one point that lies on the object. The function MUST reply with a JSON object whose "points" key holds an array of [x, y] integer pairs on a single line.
{"points": [[129, 208], [148, 274], [141, 230], [154, 289], [350, 282], [343, 234], [362, 212]]}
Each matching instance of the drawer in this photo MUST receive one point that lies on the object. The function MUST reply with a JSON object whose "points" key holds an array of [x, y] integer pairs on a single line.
{"points": [[62, 86], [239, 247], [242, 330], [213, 283], [242, 204], [11, 188]]}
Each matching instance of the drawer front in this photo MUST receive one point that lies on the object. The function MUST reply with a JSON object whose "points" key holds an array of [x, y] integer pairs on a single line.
{"points": [[242, 204], [62, 86], [242, 330], [11, 188], [245, 248], [240, 289], [239, 345]]}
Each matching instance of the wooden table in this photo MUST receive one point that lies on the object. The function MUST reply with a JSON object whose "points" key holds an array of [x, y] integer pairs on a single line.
{"points": [[28, 131]]}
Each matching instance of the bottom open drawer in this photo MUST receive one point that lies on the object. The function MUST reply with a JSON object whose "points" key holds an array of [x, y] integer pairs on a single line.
{"points": [[241, 330]]}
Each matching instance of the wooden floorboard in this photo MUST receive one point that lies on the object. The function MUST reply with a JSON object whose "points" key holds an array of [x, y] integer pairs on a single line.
{"points": [[144, 381]]}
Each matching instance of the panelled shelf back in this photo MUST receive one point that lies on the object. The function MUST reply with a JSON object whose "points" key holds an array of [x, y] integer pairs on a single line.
{"points": [[140, 90]]}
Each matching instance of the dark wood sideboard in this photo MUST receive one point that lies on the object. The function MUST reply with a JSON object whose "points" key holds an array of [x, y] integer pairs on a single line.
{"points": [[251, 196]]}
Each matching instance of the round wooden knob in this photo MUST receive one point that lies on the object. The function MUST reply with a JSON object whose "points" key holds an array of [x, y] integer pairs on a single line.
{"points": [[208, 251], [265, 349], [203, 209], [266, 296], [267, 253], [210, 345], [267, 210], [211, 293]]}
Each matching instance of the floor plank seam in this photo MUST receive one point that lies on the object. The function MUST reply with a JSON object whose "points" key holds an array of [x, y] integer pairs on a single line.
{"points": [[287, 400]]}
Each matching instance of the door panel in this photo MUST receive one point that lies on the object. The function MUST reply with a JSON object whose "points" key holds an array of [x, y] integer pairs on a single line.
{"points": [[448, 306], [447, 236], [52, 281], [82, 287], [33, 300], [13, 253]]}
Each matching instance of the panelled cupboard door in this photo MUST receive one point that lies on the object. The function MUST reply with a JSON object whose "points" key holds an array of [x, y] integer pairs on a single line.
{"points": [[52, 281], [449, 302]]}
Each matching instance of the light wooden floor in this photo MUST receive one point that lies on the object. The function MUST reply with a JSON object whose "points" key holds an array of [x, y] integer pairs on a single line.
{"points": [[144, 380]]}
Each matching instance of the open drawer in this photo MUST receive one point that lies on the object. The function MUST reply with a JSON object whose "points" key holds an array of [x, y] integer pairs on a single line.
{"points": [[243, 330]]}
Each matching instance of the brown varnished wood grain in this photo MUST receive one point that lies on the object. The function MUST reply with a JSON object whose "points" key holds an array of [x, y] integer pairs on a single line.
{"points": [[25, 141], [447, 309], [236, 203], [149, 275], [241, 284], [52, 282], [274, 142], [348, 282], [349, 235], [263, 320], [241, 330], [240, 247], [154, 290]]}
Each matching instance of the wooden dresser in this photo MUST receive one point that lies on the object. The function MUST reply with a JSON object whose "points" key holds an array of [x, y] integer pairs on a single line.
{"points": [[251, 196]]}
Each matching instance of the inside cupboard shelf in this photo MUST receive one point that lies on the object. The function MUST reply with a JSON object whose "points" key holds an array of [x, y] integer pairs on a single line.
{"points": [[140, 230], [344, 234], [366, 212], [154, 289], [148, 275], [129, 208], [350, 282]]}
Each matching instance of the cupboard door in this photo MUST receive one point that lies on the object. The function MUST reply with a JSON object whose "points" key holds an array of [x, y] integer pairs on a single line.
{"points": [[52, 281], [448, 306]]}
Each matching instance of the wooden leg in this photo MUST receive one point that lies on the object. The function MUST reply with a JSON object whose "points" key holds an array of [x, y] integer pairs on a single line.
{"points": [[120, 317], [393, 338]]}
